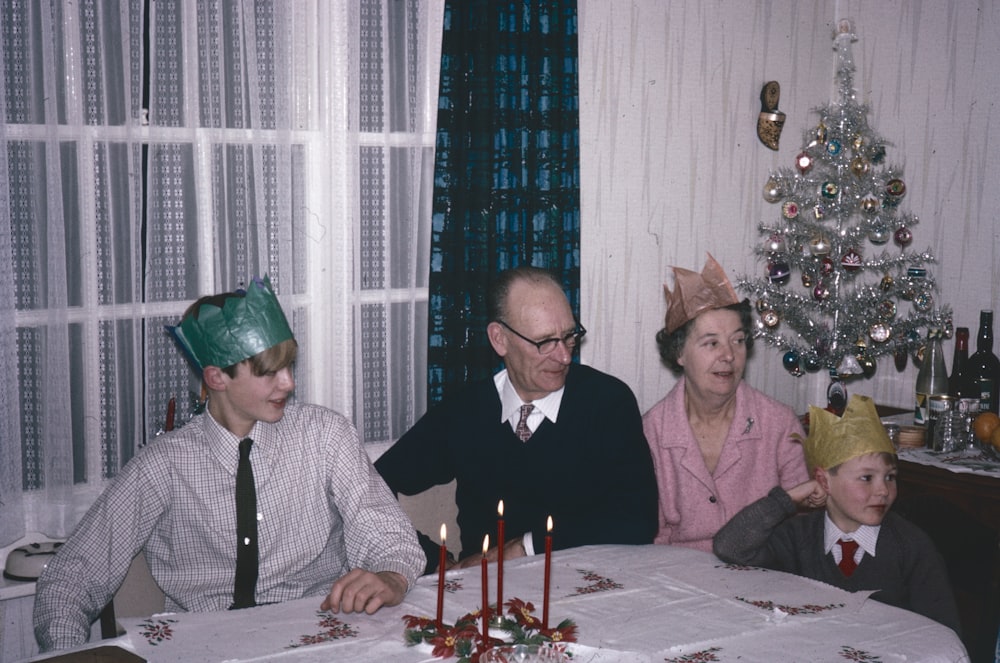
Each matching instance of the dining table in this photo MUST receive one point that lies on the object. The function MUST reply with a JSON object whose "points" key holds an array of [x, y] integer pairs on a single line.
{"points": [[630, 604]]}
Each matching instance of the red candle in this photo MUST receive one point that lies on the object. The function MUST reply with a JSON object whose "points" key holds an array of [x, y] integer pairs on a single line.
{"points": [[171, 408], [486, 604], [500, 558], [441, 564], [548, 573]]}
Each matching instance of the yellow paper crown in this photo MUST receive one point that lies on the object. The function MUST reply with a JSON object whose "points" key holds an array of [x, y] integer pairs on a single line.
{"points": [[833, 440], [694, 293]]}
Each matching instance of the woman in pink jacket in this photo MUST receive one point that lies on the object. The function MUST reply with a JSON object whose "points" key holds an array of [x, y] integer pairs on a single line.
{"points": [[717, 443]]}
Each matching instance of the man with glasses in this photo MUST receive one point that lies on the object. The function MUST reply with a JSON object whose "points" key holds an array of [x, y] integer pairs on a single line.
{"points": [[547, 436]]}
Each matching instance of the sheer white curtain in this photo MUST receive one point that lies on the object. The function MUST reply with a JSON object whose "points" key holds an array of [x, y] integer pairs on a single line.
{"points": [[157, 150]]}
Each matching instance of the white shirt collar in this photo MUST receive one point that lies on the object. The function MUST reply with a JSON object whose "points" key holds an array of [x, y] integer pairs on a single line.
{"points": [[866, 536], [510, 403]]}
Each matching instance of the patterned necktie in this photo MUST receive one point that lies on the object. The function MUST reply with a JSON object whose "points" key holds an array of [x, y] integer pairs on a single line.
{"points": [[245, 587], [847, 563], [522, 430]]}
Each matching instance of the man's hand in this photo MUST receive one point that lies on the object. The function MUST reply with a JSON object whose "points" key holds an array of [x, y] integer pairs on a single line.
{"points": [[364, 591], [511, 549]]}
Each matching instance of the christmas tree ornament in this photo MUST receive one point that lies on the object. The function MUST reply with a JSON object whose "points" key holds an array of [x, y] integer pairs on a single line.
{"points": [[803, 162], [770, 120], [762, 305], [778, 272], [851, 261], [896, 189], [880, 332], [899, 358], [878, 233], [870, 205], [836, 397], [772, 192], [923, 301], [860, 166], [903, 236], [812, 363], [848, 367], [821, 133], [791, 363], [775, 243], [849, 292], [790, 209], [819, 246], [887, 309]]}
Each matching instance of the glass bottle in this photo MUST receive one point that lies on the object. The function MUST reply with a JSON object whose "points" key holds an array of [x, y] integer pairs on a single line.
{"points": [[932, 380], [984, 365], [961, 387]]}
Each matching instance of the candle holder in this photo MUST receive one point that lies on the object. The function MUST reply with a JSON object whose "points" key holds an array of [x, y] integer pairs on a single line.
{"points": [[464, 639]]}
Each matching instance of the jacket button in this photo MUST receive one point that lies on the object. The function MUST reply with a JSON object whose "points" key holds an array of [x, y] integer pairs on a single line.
{"points": [[712, 499]]}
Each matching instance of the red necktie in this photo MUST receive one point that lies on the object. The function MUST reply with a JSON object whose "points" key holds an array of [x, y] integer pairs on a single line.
{"points": [[847, 563], [522, 430]]}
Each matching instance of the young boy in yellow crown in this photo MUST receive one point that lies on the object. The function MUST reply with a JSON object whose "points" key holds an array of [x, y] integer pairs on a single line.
{"points": [[856, 543]]}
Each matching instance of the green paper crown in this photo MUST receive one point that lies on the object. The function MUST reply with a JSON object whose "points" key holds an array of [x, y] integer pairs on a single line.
{"points": [[243, 327]]}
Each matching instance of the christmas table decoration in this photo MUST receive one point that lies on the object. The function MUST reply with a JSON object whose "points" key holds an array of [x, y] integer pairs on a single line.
{"points": [[465, 641]]}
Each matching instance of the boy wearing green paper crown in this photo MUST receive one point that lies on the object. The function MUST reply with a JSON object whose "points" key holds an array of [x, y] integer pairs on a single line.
{"points": [[257, 500], [856, 543]]}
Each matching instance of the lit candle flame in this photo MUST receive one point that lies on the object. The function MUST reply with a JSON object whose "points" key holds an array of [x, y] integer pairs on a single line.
{"points": [[486, 543], [548, 524], [444, 533], [500, 508]]}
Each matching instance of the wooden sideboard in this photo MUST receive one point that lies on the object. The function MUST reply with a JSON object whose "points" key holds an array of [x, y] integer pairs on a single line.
{"points": [[961, 512]]}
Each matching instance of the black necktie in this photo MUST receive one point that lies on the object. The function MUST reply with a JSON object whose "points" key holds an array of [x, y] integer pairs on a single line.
{"points": [[246, 532]]}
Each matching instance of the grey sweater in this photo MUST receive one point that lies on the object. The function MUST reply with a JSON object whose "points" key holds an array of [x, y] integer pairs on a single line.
{"points": [[907, 571]]}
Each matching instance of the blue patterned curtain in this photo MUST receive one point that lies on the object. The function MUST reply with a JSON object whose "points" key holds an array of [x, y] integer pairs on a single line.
{"points": [[507, 170]]}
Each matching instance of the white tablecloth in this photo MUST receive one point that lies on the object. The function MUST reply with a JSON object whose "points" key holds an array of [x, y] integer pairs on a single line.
{"points": [[630, 603]]}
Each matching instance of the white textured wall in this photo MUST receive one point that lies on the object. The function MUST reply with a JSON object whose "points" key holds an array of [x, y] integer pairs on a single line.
{"points": [[672, 167]]}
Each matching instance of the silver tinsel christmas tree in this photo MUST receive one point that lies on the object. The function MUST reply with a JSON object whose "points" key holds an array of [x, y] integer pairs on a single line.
{"points": [[842, 285]]}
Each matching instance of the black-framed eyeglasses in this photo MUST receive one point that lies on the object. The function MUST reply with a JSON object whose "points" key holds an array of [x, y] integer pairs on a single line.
{"points": [[547, 345]]}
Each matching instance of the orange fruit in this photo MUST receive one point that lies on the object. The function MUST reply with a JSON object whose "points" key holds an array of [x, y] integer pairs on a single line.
{"points": [[985, 425], [995, 438]]}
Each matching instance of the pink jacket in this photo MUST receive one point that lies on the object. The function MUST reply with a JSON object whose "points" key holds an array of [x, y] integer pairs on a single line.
{"points": [[758, 455]]}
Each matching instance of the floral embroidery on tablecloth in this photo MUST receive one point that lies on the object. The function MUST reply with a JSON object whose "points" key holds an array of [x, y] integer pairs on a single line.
{"points": [[332, 629], [807, 609], [703, 656], [157, 630], [597, 582], [852, 654], [453, 585], [740, 567]]}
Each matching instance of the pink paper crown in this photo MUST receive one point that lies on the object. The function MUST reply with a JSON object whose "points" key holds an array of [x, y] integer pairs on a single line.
{"points": [[694, 293]]}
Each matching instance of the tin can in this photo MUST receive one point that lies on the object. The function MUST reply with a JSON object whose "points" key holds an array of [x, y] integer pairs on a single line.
{"points": [[937, 405]]}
